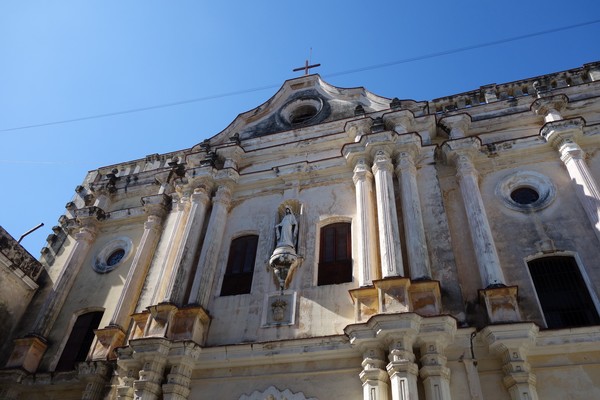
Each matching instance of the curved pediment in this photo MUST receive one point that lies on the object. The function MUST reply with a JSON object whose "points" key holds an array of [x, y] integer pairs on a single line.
{"points": [[301, 102]]}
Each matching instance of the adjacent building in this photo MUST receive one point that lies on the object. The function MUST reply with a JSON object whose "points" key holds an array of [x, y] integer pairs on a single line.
{"points": [[334, 244]]}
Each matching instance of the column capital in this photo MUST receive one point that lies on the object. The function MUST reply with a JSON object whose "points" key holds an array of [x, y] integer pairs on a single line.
{"points": [[223, 195], [405, 161], [361, 171], [382, 162], [439, 331], [157, 205], [557, 132], [88, 219], [232, 153], [401, 121], [456, 126], [357, 128], [550, 105], [453, 149], [502, 339]]}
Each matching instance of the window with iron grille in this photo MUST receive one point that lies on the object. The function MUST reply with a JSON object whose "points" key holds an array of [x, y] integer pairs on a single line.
{"points": [[80, 340], [335, 255], [563, 294], [240, 266]]}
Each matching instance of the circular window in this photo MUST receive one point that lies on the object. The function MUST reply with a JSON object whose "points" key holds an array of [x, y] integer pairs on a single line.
{"points": [[524, 195], [526, 190], [115, 257], [301, 111], [112, 255]]}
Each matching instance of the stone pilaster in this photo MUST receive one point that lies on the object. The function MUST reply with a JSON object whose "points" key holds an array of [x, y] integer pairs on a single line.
{"points": [[111, 337], [205, 271], [151, 353], [374, 379], [128, 370], [96, 376], [389, 235], [182, 357], [365, 216], [172, 237], [512, 343], [434, 336], [190, 240], [402, 369], [88, 220], [563, 135], [416, 244], [481, 234], [28, 351]]}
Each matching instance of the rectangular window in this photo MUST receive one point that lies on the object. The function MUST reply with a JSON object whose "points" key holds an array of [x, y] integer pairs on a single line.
{"points": [[240, 266], [335, 258], [562, 292]]}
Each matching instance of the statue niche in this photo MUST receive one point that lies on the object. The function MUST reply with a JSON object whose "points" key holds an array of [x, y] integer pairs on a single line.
{"points": [[284, 259]]}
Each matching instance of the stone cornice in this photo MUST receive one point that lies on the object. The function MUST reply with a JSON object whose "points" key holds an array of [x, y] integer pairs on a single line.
{"points": [[312, 349], [19, 259]]}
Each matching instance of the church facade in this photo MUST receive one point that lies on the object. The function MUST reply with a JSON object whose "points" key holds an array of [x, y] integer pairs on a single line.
{"points": [[334, 244]]}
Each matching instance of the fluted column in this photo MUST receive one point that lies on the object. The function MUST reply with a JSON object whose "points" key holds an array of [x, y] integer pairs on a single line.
{"points": [[416, 244], [88, 220], [205, 271], [563, 134], [586, 187], [189, 243], [389, 236], [170, 236], [374, 379], [156, 207], [481, 234], [402, 369], [365, 217]]}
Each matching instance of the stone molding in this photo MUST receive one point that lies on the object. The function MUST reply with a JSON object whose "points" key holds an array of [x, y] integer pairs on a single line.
{"points": [[18, 258], [272, 393]]}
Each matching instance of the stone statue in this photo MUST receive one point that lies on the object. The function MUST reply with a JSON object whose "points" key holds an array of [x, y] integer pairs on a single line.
{"points": [[287, 230]]}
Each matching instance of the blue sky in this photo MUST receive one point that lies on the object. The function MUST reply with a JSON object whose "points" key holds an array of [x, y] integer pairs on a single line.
{"points": [[63, 60]]}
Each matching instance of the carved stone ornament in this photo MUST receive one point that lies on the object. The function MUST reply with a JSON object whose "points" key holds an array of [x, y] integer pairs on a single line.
{"points": [[272, 393]]}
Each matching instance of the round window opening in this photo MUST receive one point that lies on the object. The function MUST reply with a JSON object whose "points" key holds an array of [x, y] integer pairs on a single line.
{"points": [[525, 191], [115, 257], [112, 255], [524, 195], [303, 113]]}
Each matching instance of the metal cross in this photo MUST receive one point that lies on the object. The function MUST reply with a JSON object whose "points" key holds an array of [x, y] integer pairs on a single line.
{"points": [[306, 67]]}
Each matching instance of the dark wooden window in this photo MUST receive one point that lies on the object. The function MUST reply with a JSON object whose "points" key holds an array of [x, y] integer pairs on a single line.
{"points": [[80, 340], [240, 266], [562, 292], [335, 258]]}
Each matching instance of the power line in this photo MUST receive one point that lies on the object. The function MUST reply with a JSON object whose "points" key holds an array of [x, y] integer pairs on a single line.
{"points": [[347, 72], [462, 49]]}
